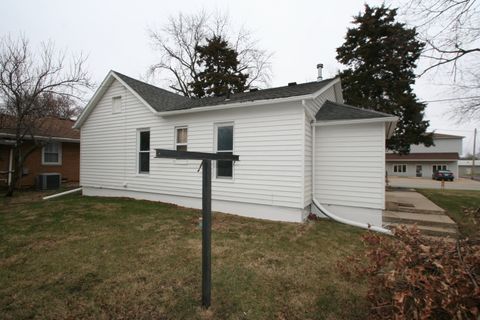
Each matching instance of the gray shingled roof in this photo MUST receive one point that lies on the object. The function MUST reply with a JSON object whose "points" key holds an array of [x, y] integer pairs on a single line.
{"points": [[163, 100], [338, 111], [157, 98]]}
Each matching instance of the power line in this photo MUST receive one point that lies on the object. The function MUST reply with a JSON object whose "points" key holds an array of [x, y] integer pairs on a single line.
{"points": [[451, 99]]}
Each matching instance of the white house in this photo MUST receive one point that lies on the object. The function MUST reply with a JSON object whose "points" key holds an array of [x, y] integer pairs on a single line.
{"points": [[295, 143], [424, 161]]}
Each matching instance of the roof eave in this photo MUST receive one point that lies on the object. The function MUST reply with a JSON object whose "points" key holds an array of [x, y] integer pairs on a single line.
{"points": [[251, 102], [234, 105], [320, 123]]}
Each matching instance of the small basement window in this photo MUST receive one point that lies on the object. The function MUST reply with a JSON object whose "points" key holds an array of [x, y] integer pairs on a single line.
{"points": [[116, 104], [400, 168], [143, 151], [52, 154], [181, 138], [224, 169]]}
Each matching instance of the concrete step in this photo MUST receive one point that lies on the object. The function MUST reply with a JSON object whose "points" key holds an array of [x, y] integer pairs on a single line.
{"points": [[412, 209], [438, 220], [434, 231]]}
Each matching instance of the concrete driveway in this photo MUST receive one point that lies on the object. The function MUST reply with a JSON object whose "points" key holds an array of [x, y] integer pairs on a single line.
{"points": [[426, 183]]}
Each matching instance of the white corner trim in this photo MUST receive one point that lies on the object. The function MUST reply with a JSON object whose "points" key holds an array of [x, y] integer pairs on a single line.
{"points": [[354, 121]]}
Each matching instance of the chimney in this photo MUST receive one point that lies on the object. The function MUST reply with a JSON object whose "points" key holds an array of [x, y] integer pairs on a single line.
{"points": [[319, 70]]}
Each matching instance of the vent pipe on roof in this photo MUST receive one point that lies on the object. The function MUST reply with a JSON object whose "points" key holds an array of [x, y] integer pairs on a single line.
{"points": [[320, 69]]}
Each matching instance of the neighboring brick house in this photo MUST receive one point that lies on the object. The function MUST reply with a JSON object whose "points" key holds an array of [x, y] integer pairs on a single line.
{"points": [[424, 161], [60, 152]]}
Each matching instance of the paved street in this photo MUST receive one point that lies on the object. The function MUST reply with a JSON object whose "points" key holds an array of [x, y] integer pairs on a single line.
{"points": [[425, 183]]}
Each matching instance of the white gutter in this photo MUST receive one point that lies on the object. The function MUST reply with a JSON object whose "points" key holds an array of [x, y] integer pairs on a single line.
{"points": [[234, 105], [62, 194], [320, 206], [355, 121], [43, 138]]}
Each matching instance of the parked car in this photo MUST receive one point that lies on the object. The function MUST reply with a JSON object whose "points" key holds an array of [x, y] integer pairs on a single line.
{"points": [[443, 175]]}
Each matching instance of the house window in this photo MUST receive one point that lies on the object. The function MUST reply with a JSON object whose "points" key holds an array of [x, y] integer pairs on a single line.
{"points": [[144, 151], [439, 167], [52, 153], [116, 104], [181, 138], [400, 168], [224, 137]]}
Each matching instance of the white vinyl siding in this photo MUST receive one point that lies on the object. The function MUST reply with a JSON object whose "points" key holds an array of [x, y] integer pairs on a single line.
{"points": [[268, 139], [350, 165]]}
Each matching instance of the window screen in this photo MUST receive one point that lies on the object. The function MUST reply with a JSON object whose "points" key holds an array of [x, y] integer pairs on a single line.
{"points": [[181, 139], [144, 152], [225, 145]]}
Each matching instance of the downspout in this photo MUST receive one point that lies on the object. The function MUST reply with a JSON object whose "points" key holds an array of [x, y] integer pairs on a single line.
{"points": [[325, 210], [10, 165]]}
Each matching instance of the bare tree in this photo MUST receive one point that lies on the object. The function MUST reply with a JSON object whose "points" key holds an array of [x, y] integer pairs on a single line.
{"points": [[29, 82], [176, 43], [451, 29]]}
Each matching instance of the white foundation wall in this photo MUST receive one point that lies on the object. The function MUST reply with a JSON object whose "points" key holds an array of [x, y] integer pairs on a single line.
{"points": [[269, 140], [350, 170], [251, 210]]}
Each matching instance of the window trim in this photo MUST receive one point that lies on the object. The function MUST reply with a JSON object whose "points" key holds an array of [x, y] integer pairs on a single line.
{"points": [[137, 167], [113, 104], [215, 149], [175, 136], [60, 153], [400, 165]]}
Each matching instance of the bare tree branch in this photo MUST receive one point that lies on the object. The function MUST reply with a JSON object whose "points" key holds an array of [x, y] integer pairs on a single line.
{"points": [[177, 41], [34, 86]]}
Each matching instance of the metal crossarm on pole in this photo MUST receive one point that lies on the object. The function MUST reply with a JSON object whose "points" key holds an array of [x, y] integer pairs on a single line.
{"points": [[206, 159]]}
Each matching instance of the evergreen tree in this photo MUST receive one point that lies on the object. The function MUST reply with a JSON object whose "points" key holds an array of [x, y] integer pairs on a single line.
{"points": [[381, 55], [220, 75]]}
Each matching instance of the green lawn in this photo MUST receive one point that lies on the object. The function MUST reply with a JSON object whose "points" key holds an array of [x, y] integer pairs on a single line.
{"points": [[87, 257], [454, 202]]}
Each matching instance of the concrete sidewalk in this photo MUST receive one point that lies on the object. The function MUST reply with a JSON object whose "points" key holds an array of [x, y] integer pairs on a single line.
{"points": [[411, 208]]}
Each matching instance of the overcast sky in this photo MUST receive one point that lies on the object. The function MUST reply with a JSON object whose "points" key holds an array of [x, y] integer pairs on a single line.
{"points": [[299, 33]]}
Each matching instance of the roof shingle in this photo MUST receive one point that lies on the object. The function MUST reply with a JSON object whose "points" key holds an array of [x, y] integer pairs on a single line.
{"points": [[163, 100], [338, 111]]}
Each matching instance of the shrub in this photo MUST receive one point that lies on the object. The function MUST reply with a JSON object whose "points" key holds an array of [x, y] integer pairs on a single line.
{"points": [[413, 277]]}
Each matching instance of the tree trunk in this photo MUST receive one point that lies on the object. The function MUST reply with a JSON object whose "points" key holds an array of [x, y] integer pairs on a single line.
{"points": [[17, 171]]}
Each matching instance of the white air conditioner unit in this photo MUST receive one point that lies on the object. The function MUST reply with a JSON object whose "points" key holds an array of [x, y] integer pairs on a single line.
{"points": [[49, 181]]}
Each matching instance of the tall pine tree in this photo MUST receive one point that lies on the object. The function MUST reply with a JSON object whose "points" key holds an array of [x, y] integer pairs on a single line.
{"points": [[220, 75], [381, 55]]}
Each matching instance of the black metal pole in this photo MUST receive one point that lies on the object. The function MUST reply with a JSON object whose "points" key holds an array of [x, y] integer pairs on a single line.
{"points": [[206, 233]]}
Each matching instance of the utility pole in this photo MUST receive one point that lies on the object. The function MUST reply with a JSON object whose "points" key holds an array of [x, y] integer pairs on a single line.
{"points": [[474, 152]]}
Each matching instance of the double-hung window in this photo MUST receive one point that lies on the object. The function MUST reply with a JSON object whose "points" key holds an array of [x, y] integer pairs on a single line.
{"points": [[439, 167], [143, 151], [181, 138], [224, 138], [52, 154]]}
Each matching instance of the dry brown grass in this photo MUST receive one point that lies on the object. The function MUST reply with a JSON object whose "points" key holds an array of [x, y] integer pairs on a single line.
{"points": [[84, 257]]}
